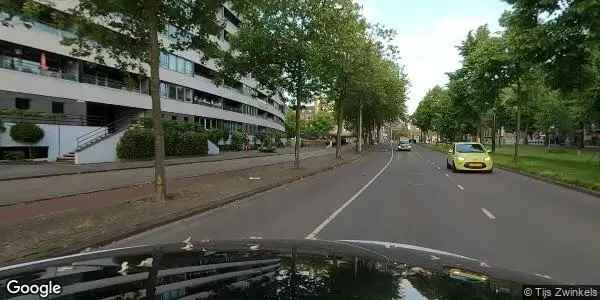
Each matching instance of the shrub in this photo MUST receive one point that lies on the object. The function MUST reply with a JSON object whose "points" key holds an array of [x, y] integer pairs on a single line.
{"points": [[215, 135], [193, 143], [238, 139], [139, 144], [26, 133], [136, 144], [173, 141]]}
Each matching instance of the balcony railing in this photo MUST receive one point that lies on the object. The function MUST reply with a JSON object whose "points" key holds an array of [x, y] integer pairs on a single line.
{"points": [[26, 66], [111, 83], [17, 64], [55, 119]]}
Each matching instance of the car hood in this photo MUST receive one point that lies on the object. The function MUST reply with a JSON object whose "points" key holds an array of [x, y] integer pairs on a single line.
{"points": [[268, 269]]}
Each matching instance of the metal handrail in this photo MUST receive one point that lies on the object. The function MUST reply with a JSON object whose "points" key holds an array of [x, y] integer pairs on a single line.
{"points": [[102, 132]]}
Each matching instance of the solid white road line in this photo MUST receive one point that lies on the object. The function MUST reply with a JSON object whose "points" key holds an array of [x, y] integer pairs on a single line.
{"points": [[314, 233], [460, 187], [488, 214]]}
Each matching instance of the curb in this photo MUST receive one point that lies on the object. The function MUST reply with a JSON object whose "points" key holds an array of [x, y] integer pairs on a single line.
{"points": [[142, 183], [132, 168], [188, 213], [541, 178]]}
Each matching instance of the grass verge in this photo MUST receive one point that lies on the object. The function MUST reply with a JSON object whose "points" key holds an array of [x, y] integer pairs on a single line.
{"points": [[565, 165]]}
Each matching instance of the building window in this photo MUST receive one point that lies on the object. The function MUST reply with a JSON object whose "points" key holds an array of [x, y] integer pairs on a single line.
{"points": [[175, 63], [172, 62], [180, 65], [189, 67], [58, 108], [226, 35], [164, 90], [164, 60], [173, 118], [201, 70], [188, 95], [180, 93], [22, 103], [186, 119], [172, 92], [196, 119]]}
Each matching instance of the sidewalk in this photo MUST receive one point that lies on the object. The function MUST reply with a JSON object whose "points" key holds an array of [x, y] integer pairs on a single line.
{"points": [[47, 188], [10, 171], [67, 224]]}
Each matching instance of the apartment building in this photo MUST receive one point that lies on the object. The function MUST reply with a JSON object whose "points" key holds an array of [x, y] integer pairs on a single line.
{"points": [[96, 102]]}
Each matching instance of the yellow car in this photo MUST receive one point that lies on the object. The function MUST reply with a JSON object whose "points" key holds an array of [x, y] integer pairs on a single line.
{"points": [[469, 157]]}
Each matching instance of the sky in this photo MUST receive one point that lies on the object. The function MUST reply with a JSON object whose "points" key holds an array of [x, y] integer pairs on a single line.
{"points": [[428, 31]]}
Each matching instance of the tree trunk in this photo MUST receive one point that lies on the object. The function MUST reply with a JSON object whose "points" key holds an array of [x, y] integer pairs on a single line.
{"points": [[526, 140], [378, 133], [518, 131], [160, 183], [494, 132], [360, 140], [297, 145], [338, 136], [480, 137], [581, 140]]}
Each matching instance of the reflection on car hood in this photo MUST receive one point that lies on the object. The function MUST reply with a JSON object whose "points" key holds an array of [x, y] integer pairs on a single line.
{"points": [[271, 269]]}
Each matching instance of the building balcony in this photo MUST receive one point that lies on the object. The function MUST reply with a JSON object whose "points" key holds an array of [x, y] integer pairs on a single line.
{"points": [[28, 80]]}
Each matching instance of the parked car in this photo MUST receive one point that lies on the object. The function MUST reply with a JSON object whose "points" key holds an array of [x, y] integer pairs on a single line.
{"points": [[469, 157]]}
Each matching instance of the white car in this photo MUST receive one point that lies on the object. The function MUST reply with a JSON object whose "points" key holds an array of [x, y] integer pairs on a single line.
{"points": [[404, 146]]}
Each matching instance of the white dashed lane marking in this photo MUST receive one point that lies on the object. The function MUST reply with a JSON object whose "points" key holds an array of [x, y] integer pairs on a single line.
{"points": [[488, 214], [460, 187]]}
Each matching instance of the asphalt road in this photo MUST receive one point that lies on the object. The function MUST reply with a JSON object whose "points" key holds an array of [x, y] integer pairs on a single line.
{"points": [[504, 219]]}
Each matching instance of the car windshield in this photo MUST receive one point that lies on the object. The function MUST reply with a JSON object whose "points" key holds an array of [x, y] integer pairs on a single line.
{"points": [[469, 148], [403, 142]]}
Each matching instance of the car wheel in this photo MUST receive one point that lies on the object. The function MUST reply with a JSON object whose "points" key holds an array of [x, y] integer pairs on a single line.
{"points": [[490, 171], [448, 165], [454, 169]]}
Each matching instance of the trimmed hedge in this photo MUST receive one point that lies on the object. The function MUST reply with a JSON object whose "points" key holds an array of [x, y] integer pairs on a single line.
{"points": [[26, 133], [139, 144], [136, 144], [193, 143]]}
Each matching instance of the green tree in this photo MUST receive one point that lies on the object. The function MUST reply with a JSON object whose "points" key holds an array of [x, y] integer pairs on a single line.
{"points": [[562, 38], [135, 33], [279, 44], [319, 125], [290, 125], [343, 55]]}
